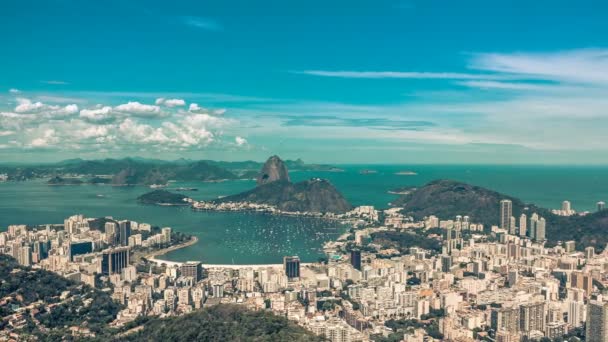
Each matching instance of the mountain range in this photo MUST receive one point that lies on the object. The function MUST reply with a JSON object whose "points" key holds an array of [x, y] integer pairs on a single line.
{"points": [[140, 171]]}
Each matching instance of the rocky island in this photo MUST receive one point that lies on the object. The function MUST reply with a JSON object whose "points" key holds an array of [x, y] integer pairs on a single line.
{"points": [[163, 197], [274, 188]]}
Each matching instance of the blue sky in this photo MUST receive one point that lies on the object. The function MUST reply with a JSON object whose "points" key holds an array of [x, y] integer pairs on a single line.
{"points": [[346, 82]]}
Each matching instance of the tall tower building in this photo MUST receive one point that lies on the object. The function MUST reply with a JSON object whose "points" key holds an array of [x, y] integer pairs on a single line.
{"points": [[291, 264], [193, 269], [523, 224], [566, 206], [355, 259], [124, 232], [532, 227], [540, 230], [512, 225], [111, 230], [601, 205], [532, 317], [597, 321], [506, 211]]}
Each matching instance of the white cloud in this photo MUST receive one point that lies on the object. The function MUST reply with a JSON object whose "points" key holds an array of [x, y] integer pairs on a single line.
{"points": [[136, 108], [195, 108], [55, 82], [97, 114], [203, 23], [27, 106], [169, 102], [14, 91], [240, 141]]}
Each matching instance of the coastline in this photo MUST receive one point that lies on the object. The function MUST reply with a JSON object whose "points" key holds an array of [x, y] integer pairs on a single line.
{"points": [[152, 256]]}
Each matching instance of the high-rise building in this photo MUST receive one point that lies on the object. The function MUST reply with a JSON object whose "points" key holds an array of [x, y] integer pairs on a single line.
{"points": [[532, 227], [113, 260], [532, 317], [589, 252], [506, 319], [540, 230], [506, 211], [79, 248], [166, 232], [124, 232], [523, 223], [355, 259], [111, 231], [512, 225], [601, 205], [446, 263], [193, 269], [291, 264], [25, 256], [566, 206], [597, 321]]}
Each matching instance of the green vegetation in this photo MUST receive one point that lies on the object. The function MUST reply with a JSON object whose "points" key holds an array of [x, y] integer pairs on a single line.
{"points": [[64, 181], [222, 323], [50, 303], [403, 241], [162, 197]]}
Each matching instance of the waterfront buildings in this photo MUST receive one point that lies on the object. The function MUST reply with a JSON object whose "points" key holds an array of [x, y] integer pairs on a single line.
{"points": [[291, 265]]}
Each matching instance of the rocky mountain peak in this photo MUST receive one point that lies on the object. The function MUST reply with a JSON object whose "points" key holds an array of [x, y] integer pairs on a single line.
{"points": [[273, 170]]}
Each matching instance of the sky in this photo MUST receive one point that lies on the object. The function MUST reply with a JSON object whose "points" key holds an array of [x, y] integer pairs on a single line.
{"points": [[385, 81]]}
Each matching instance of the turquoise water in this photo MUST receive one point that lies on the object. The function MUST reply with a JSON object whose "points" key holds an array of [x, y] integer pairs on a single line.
{"points": [[247, 238]]}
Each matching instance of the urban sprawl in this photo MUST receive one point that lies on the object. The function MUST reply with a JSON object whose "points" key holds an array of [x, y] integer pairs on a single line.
{"points": [[498, 283]]}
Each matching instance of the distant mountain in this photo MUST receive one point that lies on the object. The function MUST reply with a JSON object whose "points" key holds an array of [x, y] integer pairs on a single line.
{"points": [[136, 171], [446, 199], [224, 322], [274, 188]]}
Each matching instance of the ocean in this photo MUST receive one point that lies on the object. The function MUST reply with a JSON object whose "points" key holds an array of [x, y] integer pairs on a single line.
{"points": [[248, 238]]}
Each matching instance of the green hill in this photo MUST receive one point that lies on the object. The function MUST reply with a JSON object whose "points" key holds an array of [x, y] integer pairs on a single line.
{"points": [[315, 195], [162, 197], [446, 199], [29, 292], [223, 323]]}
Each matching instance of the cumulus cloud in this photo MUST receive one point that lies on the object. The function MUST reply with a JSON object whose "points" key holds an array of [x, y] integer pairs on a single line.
{"points": [[98, 114], [240, 141], [170, 102], [139, 109], [27, 106]]}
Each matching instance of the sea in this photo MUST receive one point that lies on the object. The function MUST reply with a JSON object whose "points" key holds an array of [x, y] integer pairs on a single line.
{"points": [[250, 238]]}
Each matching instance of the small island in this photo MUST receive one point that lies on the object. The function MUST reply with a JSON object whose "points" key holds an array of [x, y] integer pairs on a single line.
{"points": [[406, 173], [163, 197], [64, 181], [403, 190]]}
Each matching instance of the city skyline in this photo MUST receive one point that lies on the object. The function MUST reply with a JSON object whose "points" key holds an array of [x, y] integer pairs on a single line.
{"points": [[399, 81]]}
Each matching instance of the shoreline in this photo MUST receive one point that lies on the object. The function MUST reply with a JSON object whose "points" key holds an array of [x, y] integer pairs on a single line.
{"points": [[152, 256]]}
